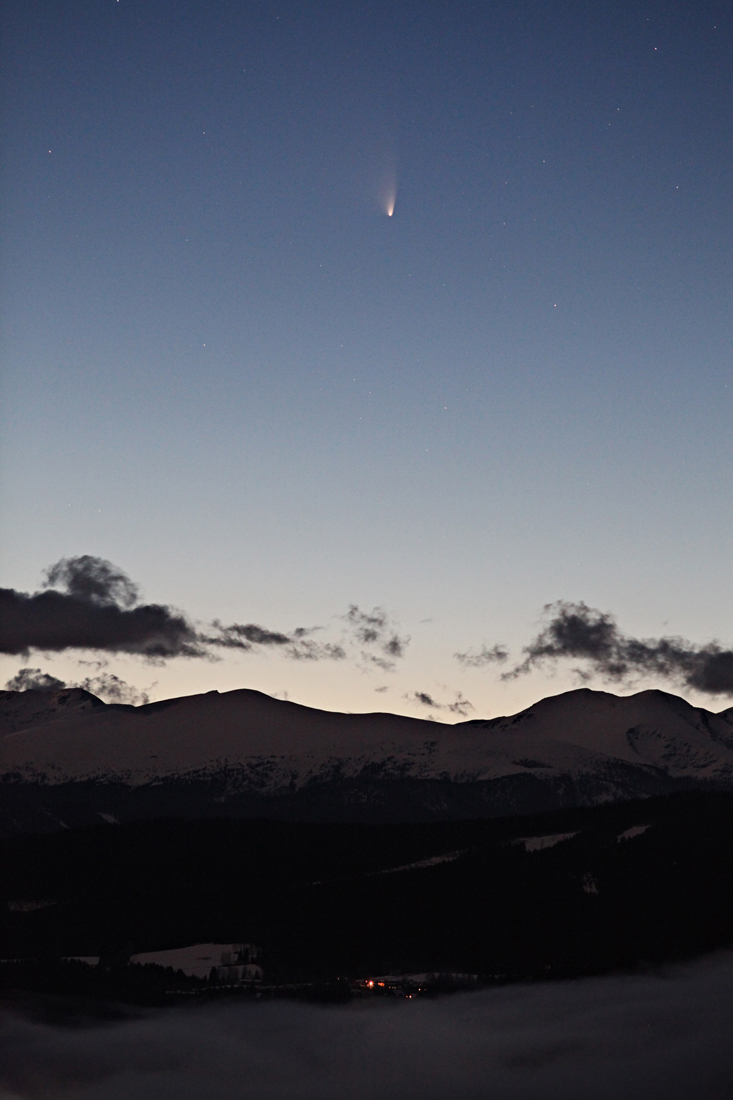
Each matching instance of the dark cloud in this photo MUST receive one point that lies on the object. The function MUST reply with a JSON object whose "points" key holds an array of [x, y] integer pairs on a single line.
{"points": [[92, 605], [425, 699], [372, 634], [93, 580], [238, 636], [574, 630], [639, 1037], [298, 645], [89, 603], [484, 656], [32, 679]]}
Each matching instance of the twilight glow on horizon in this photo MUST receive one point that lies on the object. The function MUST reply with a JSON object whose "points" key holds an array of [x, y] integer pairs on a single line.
{"points": [[378, 328]]}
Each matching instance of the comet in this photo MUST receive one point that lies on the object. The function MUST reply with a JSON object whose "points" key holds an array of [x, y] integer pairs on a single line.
{"points": [[388, 191]]}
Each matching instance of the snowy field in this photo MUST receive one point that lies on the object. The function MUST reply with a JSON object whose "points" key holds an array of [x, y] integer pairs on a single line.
{"points": [[663, 1035]]}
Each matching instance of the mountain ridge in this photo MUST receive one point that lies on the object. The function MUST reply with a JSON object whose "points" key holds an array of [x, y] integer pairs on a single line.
{"points": [[244, 752]]}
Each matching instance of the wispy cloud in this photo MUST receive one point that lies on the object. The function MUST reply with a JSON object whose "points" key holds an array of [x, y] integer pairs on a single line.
{"points": [[376, 638], [113, 689], [245, 636], [477, 658], [105, 686], [34, 679], [459, 705]]}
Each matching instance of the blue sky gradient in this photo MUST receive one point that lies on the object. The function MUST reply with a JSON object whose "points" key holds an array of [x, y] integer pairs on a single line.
{"points": [[226, 370]]}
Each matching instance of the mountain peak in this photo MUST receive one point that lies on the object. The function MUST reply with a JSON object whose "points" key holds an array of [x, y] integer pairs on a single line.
{"points": [[20, 710]]}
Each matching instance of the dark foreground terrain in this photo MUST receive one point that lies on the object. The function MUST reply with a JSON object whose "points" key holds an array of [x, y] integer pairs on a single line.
{"points": [[345, 901]]}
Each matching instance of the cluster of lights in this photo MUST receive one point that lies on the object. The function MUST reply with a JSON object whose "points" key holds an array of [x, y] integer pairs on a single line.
{"points": [[370, 985]]}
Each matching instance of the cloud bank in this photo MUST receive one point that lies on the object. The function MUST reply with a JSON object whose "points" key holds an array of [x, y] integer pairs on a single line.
{"points": [[88, 603], [636, 1037], [484, 656], [574, 630]]}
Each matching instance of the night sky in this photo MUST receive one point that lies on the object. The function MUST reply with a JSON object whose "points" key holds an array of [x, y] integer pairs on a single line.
{"points": [[229, 372]]}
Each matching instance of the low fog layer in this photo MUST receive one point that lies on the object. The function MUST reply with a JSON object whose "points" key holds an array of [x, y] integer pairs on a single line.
{"points": [[664, 1035]]}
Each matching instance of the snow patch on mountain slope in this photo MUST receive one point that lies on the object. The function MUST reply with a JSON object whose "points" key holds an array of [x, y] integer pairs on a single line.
{"points": [[540, 843], [635, 830]]}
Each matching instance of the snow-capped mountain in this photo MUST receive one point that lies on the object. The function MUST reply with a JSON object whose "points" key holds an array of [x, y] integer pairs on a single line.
{"points": [[66, 757]]}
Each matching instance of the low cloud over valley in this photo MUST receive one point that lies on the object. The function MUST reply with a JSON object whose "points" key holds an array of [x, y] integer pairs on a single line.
{"points": [[634, 1036]]}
